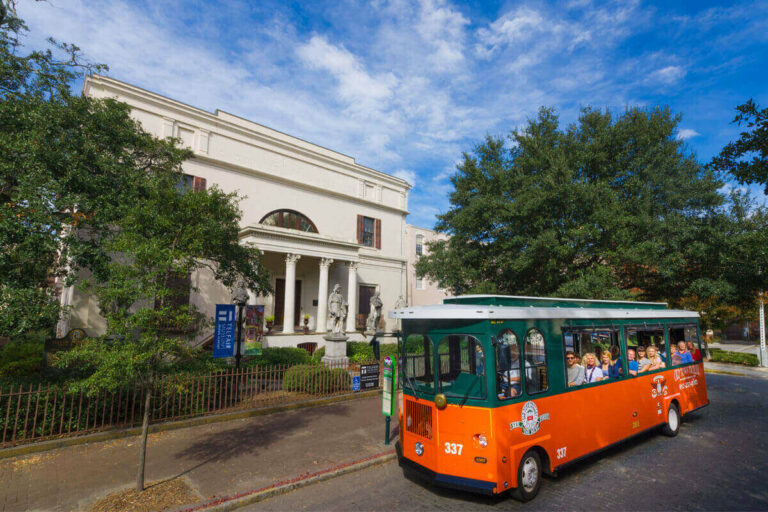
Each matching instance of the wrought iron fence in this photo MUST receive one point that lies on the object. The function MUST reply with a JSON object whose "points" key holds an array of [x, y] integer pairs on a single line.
{"points": [[40, 412]]}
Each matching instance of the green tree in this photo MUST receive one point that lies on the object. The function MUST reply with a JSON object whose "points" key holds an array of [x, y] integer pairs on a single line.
{"points": [[83, 187], [747, 158], [169, 232], [611, 207]]}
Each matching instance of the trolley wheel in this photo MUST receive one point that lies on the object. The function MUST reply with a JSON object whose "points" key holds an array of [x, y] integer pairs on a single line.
{"points": [[672, 427], [528, 476]]}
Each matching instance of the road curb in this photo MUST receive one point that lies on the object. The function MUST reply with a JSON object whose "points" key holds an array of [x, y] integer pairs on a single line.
{"points": [[242, 499], [109, 435], [737, 374]]}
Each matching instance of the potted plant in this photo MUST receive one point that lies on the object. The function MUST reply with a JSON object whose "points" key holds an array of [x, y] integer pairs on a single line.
{"points": [[306, 323], [270, 322]]}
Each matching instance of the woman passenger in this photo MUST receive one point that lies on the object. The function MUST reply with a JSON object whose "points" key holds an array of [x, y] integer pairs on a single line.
{"points": [[592, 372], [643, 363], [615, 371], [605, 364], [695, 352], [653, 357]]}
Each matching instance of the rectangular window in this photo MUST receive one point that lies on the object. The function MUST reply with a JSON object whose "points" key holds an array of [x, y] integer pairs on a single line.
{"points": [[191, 183], [684, 344], [461, 366], [535, 351], [419, 283], [592, 355], [648, 344], [419, 245], [369, 231], [417, 363]]}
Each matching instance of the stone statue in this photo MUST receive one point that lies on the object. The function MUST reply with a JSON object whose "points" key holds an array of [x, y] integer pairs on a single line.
{"points": [[400, 303], [240, 293], [374, 317], [337, 310]]}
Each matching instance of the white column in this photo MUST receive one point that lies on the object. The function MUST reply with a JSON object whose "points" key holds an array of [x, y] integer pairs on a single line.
{"points": [[322, 296], [352, 296], [290, 291]]}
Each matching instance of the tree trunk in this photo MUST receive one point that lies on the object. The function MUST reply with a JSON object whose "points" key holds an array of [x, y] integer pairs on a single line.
{"points": [[143, 443]]}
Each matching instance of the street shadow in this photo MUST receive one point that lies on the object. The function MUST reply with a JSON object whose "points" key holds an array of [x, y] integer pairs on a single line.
{"points": [[260, 432]]}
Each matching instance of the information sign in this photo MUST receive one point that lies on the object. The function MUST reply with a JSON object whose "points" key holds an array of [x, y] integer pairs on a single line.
{"points": [[369, 376], [356, 383], [387, 395], [224, 336]]}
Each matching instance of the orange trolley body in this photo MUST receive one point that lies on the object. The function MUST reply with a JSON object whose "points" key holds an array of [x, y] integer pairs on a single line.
{"points": [[476, 437]]}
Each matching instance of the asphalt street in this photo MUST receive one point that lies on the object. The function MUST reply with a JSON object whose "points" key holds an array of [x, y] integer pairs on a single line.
{"points": [[719, 461]]}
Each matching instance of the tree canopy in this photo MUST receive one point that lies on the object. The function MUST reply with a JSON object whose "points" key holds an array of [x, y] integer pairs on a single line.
{"points": [[747, 157], [610, 207]]}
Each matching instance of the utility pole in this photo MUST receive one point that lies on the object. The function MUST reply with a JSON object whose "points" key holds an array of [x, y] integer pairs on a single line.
{"points": [[763, 353]]}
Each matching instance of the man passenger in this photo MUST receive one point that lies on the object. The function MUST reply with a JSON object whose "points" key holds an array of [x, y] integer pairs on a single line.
{"points": [[575, 370], [632, 364]]}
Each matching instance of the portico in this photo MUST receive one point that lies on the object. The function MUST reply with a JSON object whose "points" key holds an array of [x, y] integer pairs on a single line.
{"points": [[318, 259]]}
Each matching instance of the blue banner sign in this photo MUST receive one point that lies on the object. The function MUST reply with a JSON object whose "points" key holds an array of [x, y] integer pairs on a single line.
{"points": [[356, 383], [224, 337]]}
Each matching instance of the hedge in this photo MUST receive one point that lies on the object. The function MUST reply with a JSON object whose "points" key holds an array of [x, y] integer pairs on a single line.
{"points": [[316, 379], [724, 356]]}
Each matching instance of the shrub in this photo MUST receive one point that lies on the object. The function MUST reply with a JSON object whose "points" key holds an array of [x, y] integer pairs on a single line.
{"points": [[361, 351], [22, 359], [316, 379], [281, 356], [723, 356], [319, 354]]}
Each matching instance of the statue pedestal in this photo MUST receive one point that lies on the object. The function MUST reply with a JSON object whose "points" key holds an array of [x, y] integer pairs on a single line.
{"points": [[335, 351]]}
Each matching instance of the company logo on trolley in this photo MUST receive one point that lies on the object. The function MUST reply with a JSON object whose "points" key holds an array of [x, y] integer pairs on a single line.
{"points": [[658, 386], [687, 373], [530, 419]]}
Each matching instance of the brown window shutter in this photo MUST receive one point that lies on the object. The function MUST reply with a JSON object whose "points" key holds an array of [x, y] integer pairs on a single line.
{"points": [[198, 184], [360, 229], [377, 232]]}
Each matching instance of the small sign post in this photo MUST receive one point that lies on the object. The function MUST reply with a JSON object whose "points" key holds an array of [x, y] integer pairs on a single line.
{"points": [[224, 337], [388, 401]]}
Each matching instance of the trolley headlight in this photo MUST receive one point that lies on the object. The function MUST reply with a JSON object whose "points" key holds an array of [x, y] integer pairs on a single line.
{"points": [[419, 448]]}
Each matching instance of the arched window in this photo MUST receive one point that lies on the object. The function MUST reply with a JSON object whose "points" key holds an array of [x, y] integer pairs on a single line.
{"points": [[289, 219]]}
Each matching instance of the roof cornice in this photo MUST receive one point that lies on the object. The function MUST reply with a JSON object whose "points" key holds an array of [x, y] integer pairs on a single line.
{"points": [[314, 151]]}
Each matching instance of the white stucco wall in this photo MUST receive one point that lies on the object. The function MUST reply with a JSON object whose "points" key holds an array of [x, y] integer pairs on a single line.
{"points": [[274, 171]]}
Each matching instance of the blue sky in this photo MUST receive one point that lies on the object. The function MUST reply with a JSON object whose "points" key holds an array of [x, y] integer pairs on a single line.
{"points": [[406, 87]]}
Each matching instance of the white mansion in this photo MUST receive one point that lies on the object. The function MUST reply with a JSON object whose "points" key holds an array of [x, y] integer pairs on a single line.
{"points": [[318, 217]]}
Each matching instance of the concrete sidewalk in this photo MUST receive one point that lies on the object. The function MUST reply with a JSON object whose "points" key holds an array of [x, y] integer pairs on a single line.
{"points": [[736, 369], [221, 459]]}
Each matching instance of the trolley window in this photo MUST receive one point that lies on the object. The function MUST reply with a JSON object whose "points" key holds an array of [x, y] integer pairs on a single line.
{"points": [[684, 344], [461, 361], [417, 363], [508, 379], [535, 351]]}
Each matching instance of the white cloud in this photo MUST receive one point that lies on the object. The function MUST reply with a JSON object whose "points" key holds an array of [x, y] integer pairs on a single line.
{"points": [[357, 88], [406, 175], [668, 75], [687, 133], [395, 81]]}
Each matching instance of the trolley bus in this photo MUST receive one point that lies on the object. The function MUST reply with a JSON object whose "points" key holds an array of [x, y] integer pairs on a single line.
{"points": [[492, 396]]}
